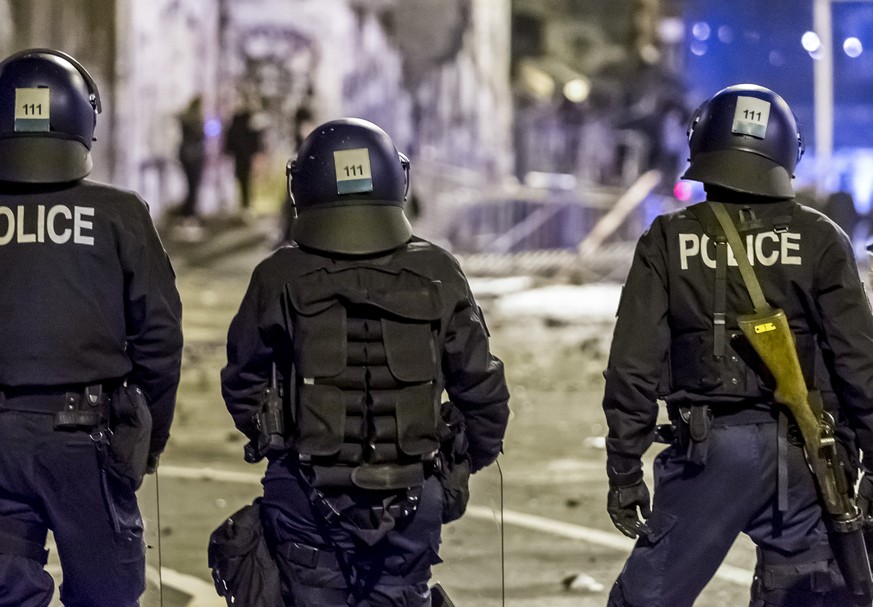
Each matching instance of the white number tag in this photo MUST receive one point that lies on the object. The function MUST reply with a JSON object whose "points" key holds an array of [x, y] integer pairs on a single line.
{"points": [[751, 117], [353, 171], [32, 109]]}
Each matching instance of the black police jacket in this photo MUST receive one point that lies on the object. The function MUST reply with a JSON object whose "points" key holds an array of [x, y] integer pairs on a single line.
{"points": [[664, 333], [87, 294], [263, 333]]}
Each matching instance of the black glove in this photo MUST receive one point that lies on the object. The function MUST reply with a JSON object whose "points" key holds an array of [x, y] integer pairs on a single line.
{"points": [[622, 504], [865, 499]]}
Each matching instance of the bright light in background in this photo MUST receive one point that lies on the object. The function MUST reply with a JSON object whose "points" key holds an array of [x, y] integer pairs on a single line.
{"points": [[671, 30], [810, 42], [698, 48], [726, 34], [852, 47], [817, 53], [577, 90], [536, 80], [682, 191], [701, 30]]}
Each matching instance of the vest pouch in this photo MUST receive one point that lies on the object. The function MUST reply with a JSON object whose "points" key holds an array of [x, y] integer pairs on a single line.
{"points": [[410, 350], [320, 342], [692, 366], [417, 420], [321, 414]]}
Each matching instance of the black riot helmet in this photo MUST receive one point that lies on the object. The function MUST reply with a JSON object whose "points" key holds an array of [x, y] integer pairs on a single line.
{"points": [[348, 183], [48, 110], [745, 138]]}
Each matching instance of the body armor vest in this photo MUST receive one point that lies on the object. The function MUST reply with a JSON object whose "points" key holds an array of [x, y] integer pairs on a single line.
{"points": [[365, 375], [720, 361]]}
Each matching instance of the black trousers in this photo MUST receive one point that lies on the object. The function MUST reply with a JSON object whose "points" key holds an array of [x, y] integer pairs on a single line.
{"points": [[321, 564], [55, 480]]}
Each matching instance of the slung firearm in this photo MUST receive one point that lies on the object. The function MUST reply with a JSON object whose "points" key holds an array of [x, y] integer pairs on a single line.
{"points": [[768, 332], [771, 337]]}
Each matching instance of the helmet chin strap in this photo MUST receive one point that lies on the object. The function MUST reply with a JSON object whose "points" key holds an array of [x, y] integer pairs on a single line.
{"points": [[289, 168], [404, 162]]}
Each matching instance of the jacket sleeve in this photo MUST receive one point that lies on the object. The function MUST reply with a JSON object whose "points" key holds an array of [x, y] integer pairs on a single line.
{"points": [[475, 381], [847, 326], [153, 320], [252, 344], [640, 344]]}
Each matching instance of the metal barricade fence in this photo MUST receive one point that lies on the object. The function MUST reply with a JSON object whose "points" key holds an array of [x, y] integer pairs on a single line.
{"points": [[578, 232]]}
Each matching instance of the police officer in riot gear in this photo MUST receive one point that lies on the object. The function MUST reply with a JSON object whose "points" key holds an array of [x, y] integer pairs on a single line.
{"points": [[735, 463], [366, 325], [90, 346]]}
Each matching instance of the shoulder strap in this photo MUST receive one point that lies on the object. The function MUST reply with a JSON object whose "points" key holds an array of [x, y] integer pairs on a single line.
{"points": [[736, 244], [719, 316]]}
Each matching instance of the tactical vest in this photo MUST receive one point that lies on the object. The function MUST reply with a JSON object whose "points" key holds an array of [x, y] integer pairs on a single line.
{"points": [[720, 361], [366, 369]]}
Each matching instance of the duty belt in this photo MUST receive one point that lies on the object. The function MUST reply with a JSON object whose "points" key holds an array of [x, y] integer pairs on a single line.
{"points": [[73, 406]]}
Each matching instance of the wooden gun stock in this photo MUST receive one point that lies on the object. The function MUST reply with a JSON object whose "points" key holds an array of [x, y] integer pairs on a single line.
{"points": [[770, 336]]}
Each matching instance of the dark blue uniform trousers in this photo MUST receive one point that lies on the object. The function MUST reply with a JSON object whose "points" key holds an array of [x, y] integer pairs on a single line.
{"points": [[54, 480], [322, 562], [697, 513]]}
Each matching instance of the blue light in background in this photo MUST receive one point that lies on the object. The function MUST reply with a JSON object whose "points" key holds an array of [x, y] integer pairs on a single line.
{"points": [[701, 30], [777, 59], [212, 127], [726, 34], [778, 48], [853, 47]]}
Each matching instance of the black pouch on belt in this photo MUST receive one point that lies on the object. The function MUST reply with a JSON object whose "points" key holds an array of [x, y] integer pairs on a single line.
{"points": [[131, 426], [697, 422], [82, 410]]}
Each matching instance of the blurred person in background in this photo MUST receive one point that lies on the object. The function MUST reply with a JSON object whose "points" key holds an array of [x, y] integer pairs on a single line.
{"points": [[735, 461], [192, 156], [243, 141], [840, 206], [90, 346], [365, 325]]}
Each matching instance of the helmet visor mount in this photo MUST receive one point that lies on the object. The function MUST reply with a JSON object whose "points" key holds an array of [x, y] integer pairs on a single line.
{"points": [[352, 229], [26, 160], [741, 171]]}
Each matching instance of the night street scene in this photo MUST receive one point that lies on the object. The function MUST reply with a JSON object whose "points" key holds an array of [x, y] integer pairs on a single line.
{"points": [[544, 138]]}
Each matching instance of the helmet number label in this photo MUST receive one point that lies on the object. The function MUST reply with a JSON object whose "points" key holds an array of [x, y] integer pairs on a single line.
{"points": [[32, 109], [353, 174], [751, 117]]}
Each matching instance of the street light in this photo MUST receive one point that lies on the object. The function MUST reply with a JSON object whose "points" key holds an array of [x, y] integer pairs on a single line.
{"points": [[823, 82]]}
